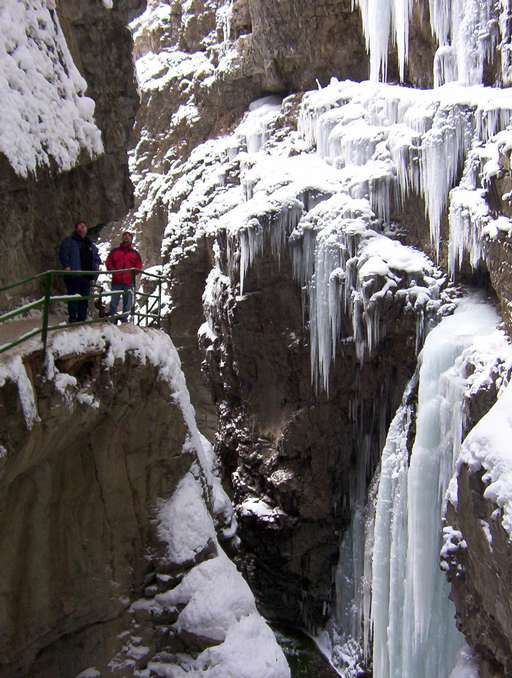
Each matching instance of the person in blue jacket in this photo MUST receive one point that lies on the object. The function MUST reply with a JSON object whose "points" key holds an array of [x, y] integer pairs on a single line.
{"points": [[79, 253]]}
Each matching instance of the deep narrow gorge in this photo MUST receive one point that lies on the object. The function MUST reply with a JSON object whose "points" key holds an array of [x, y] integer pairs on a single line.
{"points": [[315, 442]]}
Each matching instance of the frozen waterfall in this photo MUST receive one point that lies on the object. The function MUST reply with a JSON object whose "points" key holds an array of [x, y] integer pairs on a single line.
{"points": [[414, 630]]}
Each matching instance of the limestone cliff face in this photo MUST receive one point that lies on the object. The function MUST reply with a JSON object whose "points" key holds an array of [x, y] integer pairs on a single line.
{"points": [[39, 209]]}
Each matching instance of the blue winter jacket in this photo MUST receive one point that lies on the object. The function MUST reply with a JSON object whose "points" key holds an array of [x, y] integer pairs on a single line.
{"points": [[69, 253]]}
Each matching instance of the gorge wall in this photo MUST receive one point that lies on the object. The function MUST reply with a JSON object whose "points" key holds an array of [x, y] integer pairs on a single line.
{"points": [[110, 553], [233, 206], [308, 242]]}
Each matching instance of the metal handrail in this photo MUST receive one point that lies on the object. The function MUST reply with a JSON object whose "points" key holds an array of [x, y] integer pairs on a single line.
{"points": [[150, 316]]}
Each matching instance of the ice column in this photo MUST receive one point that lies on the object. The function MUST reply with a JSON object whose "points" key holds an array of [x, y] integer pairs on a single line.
{"points": [[413, 617], [385, 21]]}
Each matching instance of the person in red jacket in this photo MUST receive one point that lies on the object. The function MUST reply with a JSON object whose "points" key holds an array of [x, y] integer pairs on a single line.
{"points": [[124, 256]]}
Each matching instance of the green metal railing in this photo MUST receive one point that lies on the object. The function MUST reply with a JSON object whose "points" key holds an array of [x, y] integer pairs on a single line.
{"points": [[145, 310]]}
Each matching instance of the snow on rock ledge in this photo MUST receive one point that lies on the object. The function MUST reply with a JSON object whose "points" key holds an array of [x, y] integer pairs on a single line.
{"points": [[45, 117], [486, 452]]}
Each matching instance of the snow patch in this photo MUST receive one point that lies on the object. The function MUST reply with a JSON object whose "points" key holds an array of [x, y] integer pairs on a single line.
{"points": [[467, 665], [14, 370], [184, 524], [218, 605], [487, 449], [45, 115]]}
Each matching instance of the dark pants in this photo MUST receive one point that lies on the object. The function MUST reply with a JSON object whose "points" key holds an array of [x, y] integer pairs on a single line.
{"points": [[78, 309]]}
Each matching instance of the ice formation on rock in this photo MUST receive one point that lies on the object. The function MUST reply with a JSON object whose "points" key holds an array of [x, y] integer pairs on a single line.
{"points": [[487, 446], [467, 32], [405, 141], [330, 197], [45, 116], [352, 272], [376, 146]]}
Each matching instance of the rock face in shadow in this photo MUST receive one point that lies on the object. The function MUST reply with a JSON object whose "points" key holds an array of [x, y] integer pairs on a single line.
{"points": [[293, 457], [38, 211], [297, 44], [79, 491]]}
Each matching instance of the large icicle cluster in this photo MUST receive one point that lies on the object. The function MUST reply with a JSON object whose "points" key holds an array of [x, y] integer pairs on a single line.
{"points": [[376, 145], [397, 142], [45, 116], [281, 199], [353, 275], [467, 32]]}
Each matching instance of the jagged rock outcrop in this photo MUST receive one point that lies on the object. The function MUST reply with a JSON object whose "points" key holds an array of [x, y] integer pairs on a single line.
{"points": [[86, 454], [291, 453], [40, 208], [293, 458]]}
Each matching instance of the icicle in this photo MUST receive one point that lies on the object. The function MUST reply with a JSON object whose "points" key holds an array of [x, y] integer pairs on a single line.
{"points": [[366, 584], [466, 31], [251, 245], [505, 23], [469, 214], [385, 21], [390, 545], [442, 156], [445, 65]]}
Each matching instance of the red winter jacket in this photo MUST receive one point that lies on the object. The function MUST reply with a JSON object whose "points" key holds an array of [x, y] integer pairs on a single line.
{"points": [[123, 257]]}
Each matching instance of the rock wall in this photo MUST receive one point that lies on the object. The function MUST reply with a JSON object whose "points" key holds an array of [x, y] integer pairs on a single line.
{"points": [[110, 557], [79, 491], [39, 210], [477, 556], [478, 573], [294, 458]]}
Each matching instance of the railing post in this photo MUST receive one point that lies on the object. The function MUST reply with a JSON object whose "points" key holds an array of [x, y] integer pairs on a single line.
{"points": [[46, 310], [159, 303], [132, 310]]}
